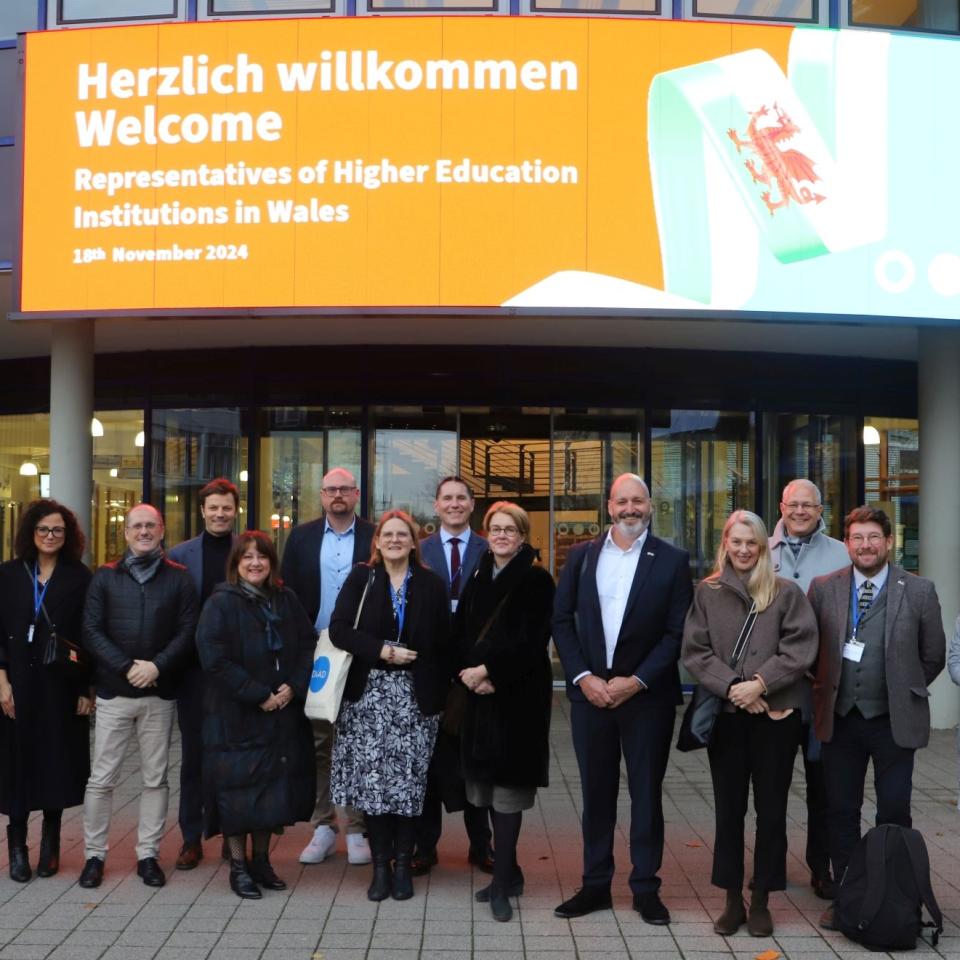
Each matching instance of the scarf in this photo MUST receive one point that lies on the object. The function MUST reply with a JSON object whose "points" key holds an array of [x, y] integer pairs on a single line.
{"points": [[142, 567], [264, 600]]}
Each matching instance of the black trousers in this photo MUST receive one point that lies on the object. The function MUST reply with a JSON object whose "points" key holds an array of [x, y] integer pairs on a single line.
{"points": [[190, 720], [818, 851], [752, 748], [642, 734], [856, 741]]}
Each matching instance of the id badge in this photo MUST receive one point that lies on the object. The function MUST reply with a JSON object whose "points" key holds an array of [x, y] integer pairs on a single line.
{"points": [[30, 634], [453, 606], [853, 650]]}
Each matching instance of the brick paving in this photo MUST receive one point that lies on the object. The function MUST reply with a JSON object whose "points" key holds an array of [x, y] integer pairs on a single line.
{"points": [[324, 915]]}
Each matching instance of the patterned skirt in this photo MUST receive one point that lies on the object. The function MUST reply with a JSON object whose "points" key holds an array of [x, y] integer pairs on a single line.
{"points": [[383, 747]]}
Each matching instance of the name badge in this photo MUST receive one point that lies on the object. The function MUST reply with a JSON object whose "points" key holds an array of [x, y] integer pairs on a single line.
{"points": [[453, 606], [853, 650], [30, 634]]}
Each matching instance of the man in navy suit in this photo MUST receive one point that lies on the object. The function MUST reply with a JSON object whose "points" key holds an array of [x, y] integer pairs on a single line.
{"points": [[452, 553], [618, 622], [316, 560], [205, 558]]}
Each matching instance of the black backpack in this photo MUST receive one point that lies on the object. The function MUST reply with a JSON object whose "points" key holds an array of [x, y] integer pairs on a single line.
{"points": [[885, 887]]}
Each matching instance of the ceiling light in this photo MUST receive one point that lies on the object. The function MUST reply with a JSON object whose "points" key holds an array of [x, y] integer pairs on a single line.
{"points": [[139, 439], [96, 428], [114, 472], [28, 469], [244, 476], [871, 436]]}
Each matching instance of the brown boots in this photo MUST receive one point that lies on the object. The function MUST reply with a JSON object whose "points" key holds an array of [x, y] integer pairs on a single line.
{"points": [[758, 920]]}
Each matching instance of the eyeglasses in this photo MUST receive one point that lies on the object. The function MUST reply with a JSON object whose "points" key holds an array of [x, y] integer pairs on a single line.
{"points": [[150, 525], [872, 538], [505, 531], [333, 491], [401, 535], [57, 532], [793, 507]]}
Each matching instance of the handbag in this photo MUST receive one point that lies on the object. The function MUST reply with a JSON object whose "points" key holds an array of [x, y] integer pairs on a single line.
{"points": [[58, 651], [700, 718], [331, 665]]}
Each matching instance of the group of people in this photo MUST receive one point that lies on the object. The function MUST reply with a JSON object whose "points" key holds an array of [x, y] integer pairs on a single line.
{"points": [[809, 643]]}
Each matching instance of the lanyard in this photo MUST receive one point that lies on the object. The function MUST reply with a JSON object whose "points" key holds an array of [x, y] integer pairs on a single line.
{"points": [[38, 594], [855, 612], [399, 600]]}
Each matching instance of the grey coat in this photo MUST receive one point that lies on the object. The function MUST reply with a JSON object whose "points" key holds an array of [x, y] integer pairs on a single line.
{"points": [[782, 646], [822, 555], [915, 648]]}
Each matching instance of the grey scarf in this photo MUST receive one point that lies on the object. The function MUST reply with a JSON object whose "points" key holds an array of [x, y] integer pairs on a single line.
{"points": [[143, 567]]}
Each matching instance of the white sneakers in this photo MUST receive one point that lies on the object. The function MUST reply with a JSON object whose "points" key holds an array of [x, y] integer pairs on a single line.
{"points": [[321, 845], [324, 842], [358, 849]]}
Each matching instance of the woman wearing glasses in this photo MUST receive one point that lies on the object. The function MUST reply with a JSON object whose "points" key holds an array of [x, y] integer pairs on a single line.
{"points": [[393, 616], [501, 631], [45, 693], [750, 638]]}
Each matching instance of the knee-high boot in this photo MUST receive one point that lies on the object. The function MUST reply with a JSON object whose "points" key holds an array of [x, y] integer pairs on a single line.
{"points": [[405, 832], [380, 834]]}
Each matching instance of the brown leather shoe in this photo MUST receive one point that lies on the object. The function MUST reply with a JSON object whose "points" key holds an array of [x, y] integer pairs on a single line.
{"points": [[190, 856]]}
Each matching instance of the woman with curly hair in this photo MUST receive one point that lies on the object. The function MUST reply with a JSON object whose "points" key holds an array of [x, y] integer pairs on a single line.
{"points": [[45, 694]]}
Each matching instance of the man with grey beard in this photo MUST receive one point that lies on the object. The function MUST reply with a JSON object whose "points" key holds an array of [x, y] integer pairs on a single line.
{"points": [[618, 622]]}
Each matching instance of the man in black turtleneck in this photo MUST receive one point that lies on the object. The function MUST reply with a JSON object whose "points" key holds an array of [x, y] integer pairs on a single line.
{"points": [[205, 557]]}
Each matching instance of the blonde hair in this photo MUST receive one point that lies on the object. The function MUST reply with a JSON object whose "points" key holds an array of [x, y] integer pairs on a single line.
{"points": [[514, 511], [762, 582]]}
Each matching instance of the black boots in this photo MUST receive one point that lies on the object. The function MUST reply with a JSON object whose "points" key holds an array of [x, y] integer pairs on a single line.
{"points": [[402, 877], [734, 915], [17, 846], [380, 835], [49, 862], [263, 875], [241, 883], [759, 921]]}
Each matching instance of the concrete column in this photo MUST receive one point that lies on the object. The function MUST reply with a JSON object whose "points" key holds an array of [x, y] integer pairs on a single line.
{"points": [[71, 410], [939, 395]]}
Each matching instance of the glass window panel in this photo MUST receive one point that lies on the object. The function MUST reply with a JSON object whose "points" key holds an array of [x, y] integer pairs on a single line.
{"points": [[428, 6], [891, 461], [8, 103], [297, 447], [219, 8], [413, 448], [818, 447], [24, 470], [8, 206], [702, 470], [17, 16], [590, 449], [795, 11], [66, 12], [189, 449], [117, 480], [941, 15], [595, 6]]}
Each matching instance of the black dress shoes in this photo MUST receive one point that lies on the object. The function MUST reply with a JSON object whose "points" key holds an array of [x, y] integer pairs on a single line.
{"points": [[585, 900], [824, 887], [148, 870], [482, 858], [422, 863], [651, 908], [92, 875]]}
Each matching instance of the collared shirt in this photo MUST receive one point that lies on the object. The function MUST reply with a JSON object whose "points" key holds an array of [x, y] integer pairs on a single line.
{"points": [[336, 561], [616, 569], [445, 537], [878, 579]]}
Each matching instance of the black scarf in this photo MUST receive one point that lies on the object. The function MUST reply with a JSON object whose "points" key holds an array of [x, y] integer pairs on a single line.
{"points": [[264, 599], [142, 567]]}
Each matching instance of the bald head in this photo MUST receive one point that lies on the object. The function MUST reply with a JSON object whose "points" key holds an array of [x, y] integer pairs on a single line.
{"points": [[143, 529], [801, 507], [629, 508]]}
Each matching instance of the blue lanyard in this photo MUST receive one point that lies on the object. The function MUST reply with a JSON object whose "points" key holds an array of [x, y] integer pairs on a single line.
{"points": [[399, 600], [855, 612], [38, 594]]}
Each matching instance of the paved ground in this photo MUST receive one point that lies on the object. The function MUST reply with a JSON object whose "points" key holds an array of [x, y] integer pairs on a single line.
{"points": [[325, 915]]}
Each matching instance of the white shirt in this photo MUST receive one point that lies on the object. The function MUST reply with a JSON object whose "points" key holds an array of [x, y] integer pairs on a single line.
{"points": [[445, 537], [616, 569], [878, 579]]}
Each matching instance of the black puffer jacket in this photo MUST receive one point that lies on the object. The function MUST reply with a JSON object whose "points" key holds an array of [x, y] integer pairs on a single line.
{"points": [[125, 621]]}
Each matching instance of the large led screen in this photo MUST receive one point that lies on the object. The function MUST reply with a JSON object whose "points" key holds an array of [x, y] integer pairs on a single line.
{"points": [[490, 162]]}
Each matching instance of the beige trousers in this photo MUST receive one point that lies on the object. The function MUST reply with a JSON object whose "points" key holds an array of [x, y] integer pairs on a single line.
{"points": [[325, 813], [119, 718]]}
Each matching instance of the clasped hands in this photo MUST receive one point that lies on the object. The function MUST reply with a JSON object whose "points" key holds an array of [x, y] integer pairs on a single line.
{"points": [[277, 700], [477, 679], [142, 674], [608, 694], [748, 695]]}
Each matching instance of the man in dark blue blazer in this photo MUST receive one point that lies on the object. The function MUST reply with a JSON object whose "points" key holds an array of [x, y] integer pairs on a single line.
{"points": [[618, 623], [316, 560], [205, 558], [452, 553]]}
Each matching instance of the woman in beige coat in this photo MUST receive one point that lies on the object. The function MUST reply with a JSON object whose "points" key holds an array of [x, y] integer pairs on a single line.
{"points": [[756, 736]]}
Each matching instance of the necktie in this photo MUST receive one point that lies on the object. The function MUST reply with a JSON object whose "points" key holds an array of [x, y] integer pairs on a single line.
{"points": [[866, 597], [454, 567]]}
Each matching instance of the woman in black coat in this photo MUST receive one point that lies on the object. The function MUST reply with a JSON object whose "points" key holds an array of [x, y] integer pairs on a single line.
{"points": [[501, 632], [396, 687], [44, 731], [256, 648]]}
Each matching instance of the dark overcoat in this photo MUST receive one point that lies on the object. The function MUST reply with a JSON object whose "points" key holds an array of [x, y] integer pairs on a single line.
{"points": [[258, 767], [45, 752], [504, 735]]}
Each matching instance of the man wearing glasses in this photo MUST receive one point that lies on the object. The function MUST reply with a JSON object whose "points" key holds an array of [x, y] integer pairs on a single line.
{"points": [[138, 625], [801, 550], [316, 560], [881, 646]]}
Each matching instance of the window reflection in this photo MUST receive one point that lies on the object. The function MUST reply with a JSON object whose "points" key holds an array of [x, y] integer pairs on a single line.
{"points": [[941, 15], [24, 470], [891, 462], [117, 480], [794, 11], [65, 12]]}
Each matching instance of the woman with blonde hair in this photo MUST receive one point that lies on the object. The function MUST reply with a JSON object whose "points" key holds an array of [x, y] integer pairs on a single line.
{"points": [[744, 605]]}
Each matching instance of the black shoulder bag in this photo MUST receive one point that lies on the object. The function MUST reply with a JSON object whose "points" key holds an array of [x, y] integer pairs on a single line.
{"points": [[700, 717]]}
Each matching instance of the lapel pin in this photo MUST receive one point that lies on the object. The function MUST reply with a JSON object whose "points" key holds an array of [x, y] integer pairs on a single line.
{"points": [[899, 583], [650, 553]]}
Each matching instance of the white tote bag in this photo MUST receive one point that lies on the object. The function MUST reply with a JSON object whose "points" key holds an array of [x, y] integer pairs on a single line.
{"points": [[329, 675]]}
